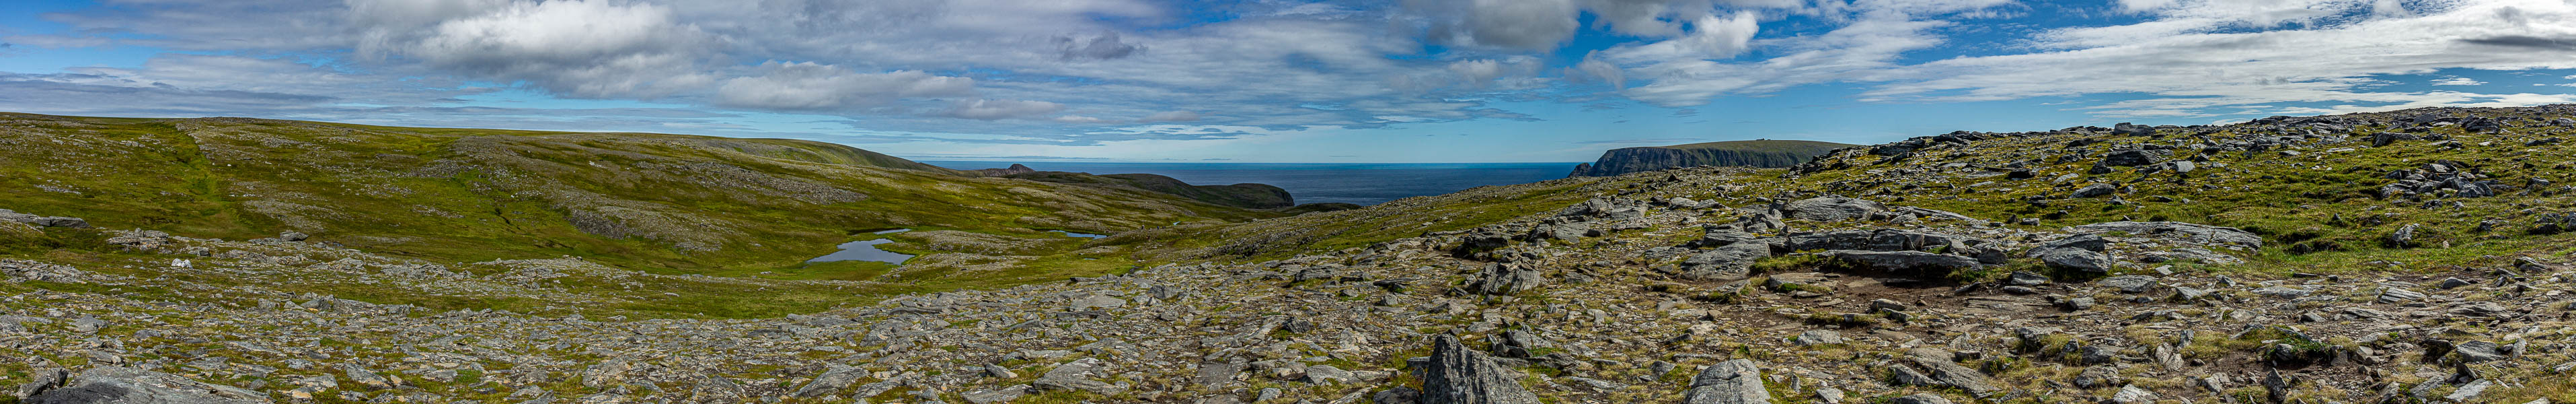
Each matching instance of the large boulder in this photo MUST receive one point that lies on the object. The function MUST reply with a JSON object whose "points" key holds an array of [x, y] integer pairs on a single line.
{"points": [[1730, 382], [2074, 259], [1459, 375], [831, 381], [1505, 278], [2195, 233], [2133, 158], [1731, 262], [1916, 263], [1936, 373], [1833, 209], [120, 385], [1879, 240]]}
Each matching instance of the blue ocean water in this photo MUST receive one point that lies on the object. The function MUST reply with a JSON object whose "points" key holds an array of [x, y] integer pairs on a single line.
{"points": [[1365, 184]]}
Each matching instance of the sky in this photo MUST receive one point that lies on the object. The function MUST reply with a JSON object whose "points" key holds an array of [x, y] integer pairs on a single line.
{"points": [[1279, 80]]}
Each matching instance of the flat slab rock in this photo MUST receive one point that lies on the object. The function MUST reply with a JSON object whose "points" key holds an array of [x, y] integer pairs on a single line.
{"points": [[121, 385]]}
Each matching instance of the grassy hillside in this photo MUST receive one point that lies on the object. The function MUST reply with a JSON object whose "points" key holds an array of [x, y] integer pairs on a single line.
{"points": [[655, 202], [1748, 153], [1251, 196]]}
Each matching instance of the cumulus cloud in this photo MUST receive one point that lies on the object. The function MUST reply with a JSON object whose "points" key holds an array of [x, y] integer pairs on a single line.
{"points": [[1171, 116], [813, 86], [580, 48], [990, 109], [1593, 66], [1103, 47], [2195, 72], [2458, 81], [1710, 37]]}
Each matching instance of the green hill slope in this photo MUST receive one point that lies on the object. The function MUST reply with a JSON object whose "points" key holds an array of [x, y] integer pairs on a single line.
{"points": [[656, 202], [1251, 196]]}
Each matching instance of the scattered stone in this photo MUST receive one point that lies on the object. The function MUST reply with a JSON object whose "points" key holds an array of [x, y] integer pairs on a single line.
{"points": [[1730, 382]]}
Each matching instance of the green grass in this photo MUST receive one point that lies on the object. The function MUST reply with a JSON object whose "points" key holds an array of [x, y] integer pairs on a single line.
{"points": [[673, 203]]}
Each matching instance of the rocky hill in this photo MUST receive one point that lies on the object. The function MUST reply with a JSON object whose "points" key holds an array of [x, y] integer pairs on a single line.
{"points": [[1746, 153], [2414, 256]]}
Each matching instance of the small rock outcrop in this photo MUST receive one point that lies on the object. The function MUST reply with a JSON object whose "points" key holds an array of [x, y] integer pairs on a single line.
{"points": [[1459, 375]]}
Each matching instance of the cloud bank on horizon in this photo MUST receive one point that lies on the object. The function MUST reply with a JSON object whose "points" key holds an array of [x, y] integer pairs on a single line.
{"points": [[1279, 80]]}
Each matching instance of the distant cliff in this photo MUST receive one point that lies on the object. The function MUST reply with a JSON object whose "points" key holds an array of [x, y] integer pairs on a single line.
{"points": [[1754, 153]]}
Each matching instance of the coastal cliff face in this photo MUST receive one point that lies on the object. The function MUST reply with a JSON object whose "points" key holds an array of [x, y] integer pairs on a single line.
{"points": [[1749, 153]]}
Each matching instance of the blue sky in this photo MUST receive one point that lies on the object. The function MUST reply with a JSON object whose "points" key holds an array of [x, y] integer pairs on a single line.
{"points": [[1279, 80]]}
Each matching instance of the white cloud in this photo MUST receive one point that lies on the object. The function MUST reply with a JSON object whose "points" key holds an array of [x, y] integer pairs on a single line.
{"points": [[2459, 81], [811, 86], [581, 48], [1172, 116], [1592, 65], [2193, 72], [990, 109], [1710, 37]]}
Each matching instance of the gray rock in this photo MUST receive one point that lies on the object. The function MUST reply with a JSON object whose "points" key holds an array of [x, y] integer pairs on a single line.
{"points": [[2094, 190], [2470, 392], [2479, 351], [2188, 232], [2395, 295], [1326, 374], [2186, 293], [1078, 375], [1730, 382], [2099, 377], [2083, 241], [2403, 238], [1722, 238], [1517, 343], [831, 381], [1731, 262], [992, 395], [1833, 209], [1941, 373], [1093, 302], [120, 385], [1905, 262], [363, 377], [2133, 395], [2453, 283], [1459, 375], [2283, 292], [1218, 373], [2074, 259], [2026, 278], [1920, 398], [1397, 395], [2133, 158], [1506, 278], [1879, 240], [2129, 283], [1819, 337]]}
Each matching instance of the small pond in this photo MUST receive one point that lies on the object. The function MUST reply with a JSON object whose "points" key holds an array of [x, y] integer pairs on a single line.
{"points": [[866, 250], [1073, 234]]}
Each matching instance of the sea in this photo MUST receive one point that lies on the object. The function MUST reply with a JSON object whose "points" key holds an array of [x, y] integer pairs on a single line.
{"points": [[1364, 184]]}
